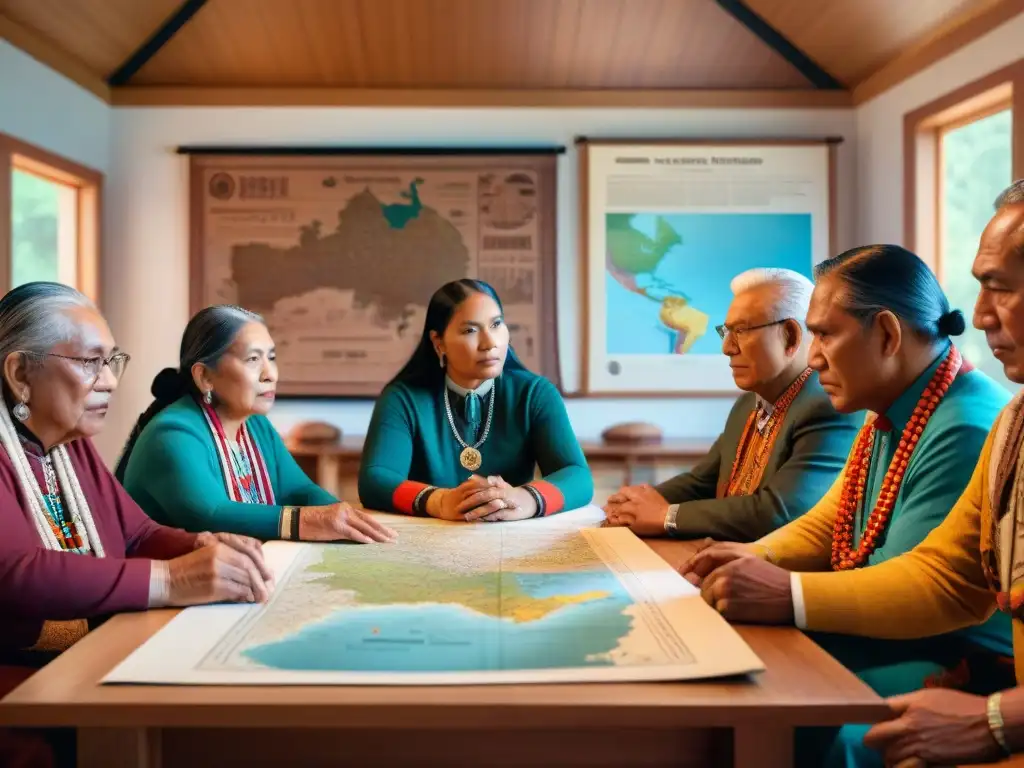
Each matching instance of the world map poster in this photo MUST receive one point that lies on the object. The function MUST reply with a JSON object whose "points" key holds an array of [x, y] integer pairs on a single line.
{"points": [[552, 600], [668, 226], [341, 253]]}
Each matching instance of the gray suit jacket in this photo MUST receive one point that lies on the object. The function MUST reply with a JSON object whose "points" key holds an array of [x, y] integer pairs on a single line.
{"points": [[810, 450]]}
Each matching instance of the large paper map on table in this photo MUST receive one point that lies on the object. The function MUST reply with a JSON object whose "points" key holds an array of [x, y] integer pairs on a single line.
{"points": [[553, 600]]}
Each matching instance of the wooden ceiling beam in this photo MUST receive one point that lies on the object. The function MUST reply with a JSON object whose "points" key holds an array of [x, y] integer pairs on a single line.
{"points": [[50, 55], [779, 43], [151, 47], [167, 96]]}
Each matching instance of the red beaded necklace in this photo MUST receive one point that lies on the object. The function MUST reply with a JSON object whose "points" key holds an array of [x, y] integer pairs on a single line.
{"points": [[843, 558]]}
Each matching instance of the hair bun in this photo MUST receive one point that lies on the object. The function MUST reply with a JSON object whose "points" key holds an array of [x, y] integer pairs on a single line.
{"points": [[168, 385], [952, 323]]}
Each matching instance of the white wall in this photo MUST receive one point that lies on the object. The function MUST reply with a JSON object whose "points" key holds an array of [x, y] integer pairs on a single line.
{"points": [[147, 204], [44, 108], [880, 126]]}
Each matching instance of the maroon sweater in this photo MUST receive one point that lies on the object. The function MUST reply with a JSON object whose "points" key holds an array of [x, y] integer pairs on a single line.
{"points": [[37, 584]]}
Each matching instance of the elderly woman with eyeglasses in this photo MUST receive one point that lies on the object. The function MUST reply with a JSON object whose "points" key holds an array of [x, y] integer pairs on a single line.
{"points": [[74, 546]]}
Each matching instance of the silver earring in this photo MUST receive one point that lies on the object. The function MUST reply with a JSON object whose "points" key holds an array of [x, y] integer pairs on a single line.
{"points": [[208, 397], [21, 411], [442, 360]]}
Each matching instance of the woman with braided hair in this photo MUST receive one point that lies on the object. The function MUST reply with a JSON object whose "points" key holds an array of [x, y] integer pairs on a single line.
{"points": [[205, 456]]}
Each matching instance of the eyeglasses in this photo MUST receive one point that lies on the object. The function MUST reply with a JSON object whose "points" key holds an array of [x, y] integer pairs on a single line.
{"points": [[92, 366], [737, 333]]}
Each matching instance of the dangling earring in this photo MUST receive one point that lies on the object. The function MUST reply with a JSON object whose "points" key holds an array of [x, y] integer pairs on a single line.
{"points": [[21, 411], [208, 397], [443, 361]]}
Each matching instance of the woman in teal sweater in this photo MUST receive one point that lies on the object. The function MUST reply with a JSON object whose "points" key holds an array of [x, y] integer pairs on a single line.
{"points": [[460, 432], [204, 456]]}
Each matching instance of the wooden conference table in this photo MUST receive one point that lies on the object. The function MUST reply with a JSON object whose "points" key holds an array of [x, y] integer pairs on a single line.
{"points": [[744, 722]]}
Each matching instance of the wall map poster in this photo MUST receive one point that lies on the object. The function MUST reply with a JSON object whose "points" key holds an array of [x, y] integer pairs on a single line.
{"points": [[667, 226], [341, 253]]}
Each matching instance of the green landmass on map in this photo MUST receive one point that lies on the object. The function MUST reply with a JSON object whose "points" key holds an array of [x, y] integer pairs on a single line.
{"points": [[388, 255], [633, 251], [383, 581]]}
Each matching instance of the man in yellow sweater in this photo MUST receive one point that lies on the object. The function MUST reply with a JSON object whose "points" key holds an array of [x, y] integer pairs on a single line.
{"points": [[968, 568]]}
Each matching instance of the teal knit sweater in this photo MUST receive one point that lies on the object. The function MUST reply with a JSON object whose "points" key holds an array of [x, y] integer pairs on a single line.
{"points": [[410, 445], [175, 476]]}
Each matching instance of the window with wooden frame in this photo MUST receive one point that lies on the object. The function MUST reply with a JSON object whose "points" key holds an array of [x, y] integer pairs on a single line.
{"points": [[50, 229], [960, 152]]}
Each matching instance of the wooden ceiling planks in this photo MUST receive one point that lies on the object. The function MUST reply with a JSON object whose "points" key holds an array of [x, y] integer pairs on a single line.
{"points": [[100, 34], [489, 50], [852, 39], [526, 44]]}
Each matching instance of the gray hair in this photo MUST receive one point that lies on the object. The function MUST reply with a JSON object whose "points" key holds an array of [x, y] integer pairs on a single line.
{"points": [[793, 298], [32, 317], [1012, 195]]}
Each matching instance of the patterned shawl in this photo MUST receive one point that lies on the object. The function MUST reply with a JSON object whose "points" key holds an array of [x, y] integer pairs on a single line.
{"points": [[1002, 536]]}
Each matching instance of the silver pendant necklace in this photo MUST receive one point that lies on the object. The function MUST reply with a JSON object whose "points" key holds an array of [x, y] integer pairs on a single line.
{"points": [[470, 458]]}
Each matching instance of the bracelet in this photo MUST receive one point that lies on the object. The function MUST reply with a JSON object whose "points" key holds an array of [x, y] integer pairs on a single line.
{"points": [[995, 721], [537, 498], [419, 504], [290, 523]]}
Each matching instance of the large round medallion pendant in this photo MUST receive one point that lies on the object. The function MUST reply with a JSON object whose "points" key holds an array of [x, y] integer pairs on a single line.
{"points": [[471, 459]]}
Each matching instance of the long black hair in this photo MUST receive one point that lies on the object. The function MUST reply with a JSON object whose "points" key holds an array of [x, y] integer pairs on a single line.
{"points": [[207, 337], [888, 277], [423, 367]]}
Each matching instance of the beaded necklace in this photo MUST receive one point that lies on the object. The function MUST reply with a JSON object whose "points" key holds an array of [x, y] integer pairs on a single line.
{"points": [[65, 530], [245, 472], [747, 470], [843, 556], [64, 476]]}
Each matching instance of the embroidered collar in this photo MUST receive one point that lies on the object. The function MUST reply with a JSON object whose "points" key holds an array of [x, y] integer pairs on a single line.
{"points": [[898, 414], [480, 391], [28, 440]]}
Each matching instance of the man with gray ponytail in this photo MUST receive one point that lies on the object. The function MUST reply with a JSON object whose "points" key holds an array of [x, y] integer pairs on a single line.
{"points": [[74, 546]]}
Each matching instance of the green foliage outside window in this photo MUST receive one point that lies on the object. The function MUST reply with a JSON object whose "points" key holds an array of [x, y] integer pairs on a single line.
{"points": [[976, 167], [34, 211]]}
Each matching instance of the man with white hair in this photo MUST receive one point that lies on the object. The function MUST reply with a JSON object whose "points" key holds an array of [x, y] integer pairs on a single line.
{"points": [[783, 444]]}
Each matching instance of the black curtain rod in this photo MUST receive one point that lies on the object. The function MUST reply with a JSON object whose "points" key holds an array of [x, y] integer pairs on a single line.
{"points": [[766, 141], [421, 151]]}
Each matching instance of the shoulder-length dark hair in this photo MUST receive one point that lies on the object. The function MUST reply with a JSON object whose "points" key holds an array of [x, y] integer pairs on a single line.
{"points": [[889, 277], [207, 337], [423, 367]]}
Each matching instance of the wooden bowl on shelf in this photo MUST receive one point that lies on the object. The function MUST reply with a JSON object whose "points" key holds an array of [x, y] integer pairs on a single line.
{"points": [[632, 433], [314, 433]]}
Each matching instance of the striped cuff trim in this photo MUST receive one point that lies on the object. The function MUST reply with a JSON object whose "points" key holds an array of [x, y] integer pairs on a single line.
{"points": [[554, 502], [404, 497]]}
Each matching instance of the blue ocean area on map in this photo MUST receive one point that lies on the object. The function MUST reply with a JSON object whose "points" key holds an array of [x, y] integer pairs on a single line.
{"points": [[667, 277], [447, 637]]}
